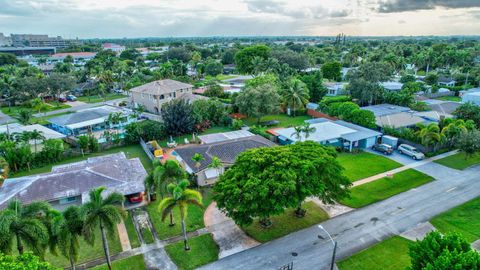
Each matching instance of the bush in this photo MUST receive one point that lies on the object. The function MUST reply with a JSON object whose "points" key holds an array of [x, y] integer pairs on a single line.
{"points": [[147, 130], [237, 124]]}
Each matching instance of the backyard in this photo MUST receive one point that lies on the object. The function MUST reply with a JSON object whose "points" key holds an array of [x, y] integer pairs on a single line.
{"points": [[98, 98], [284, 121], [52, 106], [463, 219], [181, 139], [459, 161], [391, 254], [385, 187], [286, 223], [194, 219], [362, 165], [131, 151], [203, 250]]}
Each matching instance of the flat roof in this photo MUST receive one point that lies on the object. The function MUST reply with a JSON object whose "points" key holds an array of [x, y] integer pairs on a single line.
{"points": [[399, 120], [19, 128], [323, 132], [225, 136], [87, 117], [385, 109]]}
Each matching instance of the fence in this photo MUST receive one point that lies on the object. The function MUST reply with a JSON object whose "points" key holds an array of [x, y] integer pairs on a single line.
{"points": [[440, 94], [317, 114], [146, 149]]}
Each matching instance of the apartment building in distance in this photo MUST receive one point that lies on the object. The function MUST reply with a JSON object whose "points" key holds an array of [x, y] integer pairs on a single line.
{"points": [[5, 41], [30, 40]]}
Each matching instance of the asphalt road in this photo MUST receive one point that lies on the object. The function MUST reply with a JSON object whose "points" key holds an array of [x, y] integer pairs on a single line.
{"points": [[356, 230]]}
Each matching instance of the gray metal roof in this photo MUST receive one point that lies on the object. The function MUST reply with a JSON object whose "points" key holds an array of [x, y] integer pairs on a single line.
{"points": [[226, 151], [362, 132], [115, 172], [385, 109], [85, 115]]}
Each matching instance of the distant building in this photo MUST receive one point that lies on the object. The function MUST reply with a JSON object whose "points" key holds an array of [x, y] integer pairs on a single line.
{"points": [[70, 184], [444, 81], [75, 55], [335, 88], [392, 86], [5, 41], [154, 94], [24, 51], [29, 40], [113, 47]]}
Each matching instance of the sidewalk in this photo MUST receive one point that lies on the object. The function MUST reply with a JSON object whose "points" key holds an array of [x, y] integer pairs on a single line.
{"points": [[403, 168]]}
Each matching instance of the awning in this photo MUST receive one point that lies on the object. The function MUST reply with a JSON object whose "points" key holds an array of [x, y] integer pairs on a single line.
{"points": [[86, 123]]}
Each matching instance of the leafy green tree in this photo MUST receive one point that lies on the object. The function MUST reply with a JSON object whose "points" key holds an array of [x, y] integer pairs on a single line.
{"points": [[431, 79], [103, 213], [332, 70], [295, 95], [315, 87], [93, 145], [469, 142], [214, 90], [258, 101], [430, 135], [25, 261], [83, 143], [67, 228], [23, 224], [181, 198], [468, 111], [212, 111], [244, 57], [260, 185], [436, 251], [213, 67], [52, 150], [407, 78], [36, 136], [24, 116], [178, 117], [295, 60], [8, 59]]}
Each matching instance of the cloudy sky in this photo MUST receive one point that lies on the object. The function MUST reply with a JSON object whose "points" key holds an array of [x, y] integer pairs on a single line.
{"points": [[160, 18]]}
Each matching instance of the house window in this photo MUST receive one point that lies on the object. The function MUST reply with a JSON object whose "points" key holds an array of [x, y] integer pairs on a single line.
{"points": [[68, 200], [174, 94], [162, 97]]}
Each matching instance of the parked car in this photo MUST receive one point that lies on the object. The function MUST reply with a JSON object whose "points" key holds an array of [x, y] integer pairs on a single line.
{"points": [[118, 91], [71, 98], [135, 198], [410, 151], [383, 148], [62, 100]]}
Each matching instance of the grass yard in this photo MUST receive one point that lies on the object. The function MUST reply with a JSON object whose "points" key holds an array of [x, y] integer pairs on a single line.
{"points": [[194, 219], [391, 254], [286, 223], [147, 235], [132, 233], [385, 187], [459, 161], [463, 219], [203, 250], [450, 98], [362, 165], [285, 120], [181, 139], [135, 262], [87, 252], [97, 98], [131, 151], [13, 110]]}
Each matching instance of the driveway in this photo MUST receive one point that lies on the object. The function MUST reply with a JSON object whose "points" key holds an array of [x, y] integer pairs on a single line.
{"points": [[6, 118], [359, 229], [78, 106]]}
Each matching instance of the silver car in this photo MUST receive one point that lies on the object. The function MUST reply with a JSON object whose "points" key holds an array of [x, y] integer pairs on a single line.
{"points": [[410, 151]]}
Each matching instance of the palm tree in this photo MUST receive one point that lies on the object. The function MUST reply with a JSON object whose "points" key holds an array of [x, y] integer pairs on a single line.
{"points": [[216, 164], [24, 116], [36, 136], [67, 229], [430, 135], [181, 198], [103, 213], [198, 158], [295, 95], [305, 129], [23, 224]]}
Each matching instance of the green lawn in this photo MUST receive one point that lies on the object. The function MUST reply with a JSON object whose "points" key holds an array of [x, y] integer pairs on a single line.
{"points": [[181, 139], [362, 165], [385, 187], [391, 254], [13, 111], [131, 151], [131, 263], [285, 120], [87, 252], [286, 223], [147, 235], [459, 161], [194, 219], [463, 219], [97, 98], [203, 250], [450, 98], [132, 233]]}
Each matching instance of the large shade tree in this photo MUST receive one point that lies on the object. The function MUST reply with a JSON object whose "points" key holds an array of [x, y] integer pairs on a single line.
{"points": [[258, 101], [265, 181]]}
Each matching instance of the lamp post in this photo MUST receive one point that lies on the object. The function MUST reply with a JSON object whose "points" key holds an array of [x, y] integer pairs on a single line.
{"points": [[334, 246]]}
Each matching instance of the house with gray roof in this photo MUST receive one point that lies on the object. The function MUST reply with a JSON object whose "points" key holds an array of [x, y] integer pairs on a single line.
{"points": [[154, 94], [70, 184], [336, 133], [90, 120], [226, 150]]}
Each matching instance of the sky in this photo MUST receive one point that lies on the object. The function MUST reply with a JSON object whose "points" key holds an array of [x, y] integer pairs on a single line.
{"points": [[177, 18]]}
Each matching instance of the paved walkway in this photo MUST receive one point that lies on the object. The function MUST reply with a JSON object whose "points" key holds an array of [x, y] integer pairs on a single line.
{"points": [[229, 237], [123, 236], [332, 210], [403, 168]]}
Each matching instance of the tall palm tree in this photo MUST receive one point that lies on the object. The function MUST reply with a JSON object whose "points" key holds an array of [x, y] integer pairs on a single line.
{"points": [[103, 213], [181, 198], [295, 95], [36, 136], [216, 164], [23, 224], [67, 229], [304, 130]]}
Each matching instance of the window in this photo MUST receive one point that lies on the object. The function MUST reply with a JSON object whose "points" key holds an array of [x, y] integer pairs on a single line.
{"points": [[162, 97], [68, 200]]}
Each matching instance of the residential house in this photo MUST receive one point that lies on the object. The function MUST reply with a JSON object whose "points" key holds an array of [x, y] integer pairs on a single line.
{"points": [[335, 88], [70, 184], [47, 133], [336, 133], [92, 121], [445, 81], [392, 86], [226, 150], [154, 94], [113, 47], [398, 116]]}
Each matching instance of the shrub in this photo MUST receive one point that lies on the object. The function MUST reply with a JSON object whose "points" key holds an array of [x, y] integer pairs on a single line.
{"points": [[237, 124]]}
